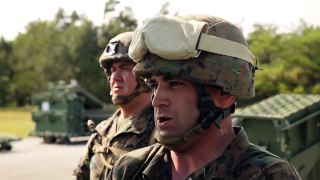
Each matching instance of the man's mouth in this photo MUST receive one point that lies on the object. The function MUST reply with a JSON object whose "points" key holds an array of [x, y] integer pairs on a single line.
{"points": [[116, 87], [163, 119]]}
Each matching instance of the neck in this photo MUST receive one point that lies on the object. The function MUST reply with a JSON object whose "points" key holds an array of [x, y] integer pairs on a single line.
{"points": [[135, 106], [197, 156]]}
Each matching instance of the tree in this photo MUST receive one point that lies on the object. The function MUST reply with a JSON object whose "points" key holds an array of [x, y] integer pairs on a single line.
{"points": [[164, 9], [63, 49], [263, 41], [6, 71], [290, 61], [124, 21]]}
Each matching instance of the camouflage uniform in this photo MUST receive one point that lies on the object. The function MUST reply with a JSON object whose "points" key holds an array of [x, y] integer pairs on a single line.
{"points": [[209, 52], [240, 160], [111, 143], [114, 137]]}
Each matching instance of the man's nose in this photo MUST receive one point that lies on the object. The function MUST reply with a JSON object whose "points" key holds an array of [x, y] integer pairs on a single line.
{"points": [[116, 75], [160, 97]]}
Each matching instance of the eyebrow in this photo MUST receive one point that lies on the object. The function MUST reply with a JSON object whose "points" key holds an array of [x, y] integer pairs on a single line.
{"points": [[164, 78], [167, 77]]}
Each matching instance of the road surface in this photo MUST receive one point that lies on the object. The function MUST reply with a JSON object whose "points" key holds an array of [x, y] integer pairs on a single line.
{"points": [[31, 159]]}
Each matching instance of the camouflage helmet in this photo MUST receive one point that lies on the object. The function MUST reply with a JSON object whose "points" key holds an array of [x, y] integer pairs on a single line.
{"points": [[117, 49], [232, 75]]}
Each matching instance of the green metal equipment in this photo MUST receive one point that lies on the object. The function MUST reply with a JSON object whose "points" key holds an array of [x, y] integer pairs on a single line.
{"points": [[287, 125], [63, 112], [5, 140]]}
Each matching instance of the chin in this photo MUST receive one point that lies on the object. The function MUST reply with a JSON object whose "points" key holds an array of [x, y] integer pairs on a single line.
{"points": [[116, 101], [167, 133], [184, 148]]}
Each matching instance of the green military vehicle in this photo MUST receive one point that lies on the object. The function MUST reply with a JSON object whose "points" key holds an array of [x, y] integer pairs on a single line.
{"points": [[63, 112], [5, 140], [287, 125]]}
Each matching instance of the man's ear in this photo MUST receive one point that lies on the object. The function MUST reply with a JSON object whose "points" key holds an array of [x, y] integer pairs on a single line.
{"points": [[220, 100], [227, 100]]}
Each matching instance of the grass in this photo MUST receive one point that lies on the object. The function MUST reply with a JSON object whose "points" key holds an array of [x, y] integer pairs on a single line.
{"points": [[16, 121]]}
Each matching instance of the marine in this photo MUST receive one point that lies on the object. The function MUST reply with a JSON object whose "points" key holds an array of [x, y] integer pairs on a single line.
{"points": [[197, 67], [131, 126]]}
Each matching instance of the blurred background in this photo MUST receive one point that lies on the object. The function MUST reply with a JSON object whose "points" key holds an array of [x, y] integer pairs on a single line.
{"points": [[49, 54]]}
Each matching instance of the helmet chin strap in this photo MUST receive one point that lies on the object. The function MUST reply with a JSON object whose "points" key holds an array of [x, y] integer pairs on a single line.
{"points": [[209, 113]]}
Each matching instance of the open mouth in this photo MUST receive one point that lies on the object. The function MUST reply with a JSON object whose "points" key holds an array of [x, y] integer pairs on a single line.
{"points": [[163, 119]]}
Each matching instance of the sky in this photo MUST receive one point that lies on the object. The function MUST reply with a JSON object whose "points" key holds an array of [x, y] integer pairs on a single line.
{"points": [[285, 14]]}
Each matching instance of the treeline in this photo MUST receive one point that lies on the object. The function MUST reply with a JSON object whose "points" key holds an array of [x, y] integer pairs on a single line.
{"points": [[69, 46], [290, 62], [66, 48]]}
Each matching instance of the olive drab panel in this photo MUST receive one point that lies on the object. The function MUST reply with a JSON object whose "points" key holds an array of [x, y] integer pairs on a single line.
{"points": [[287, 125], [62, 112]]}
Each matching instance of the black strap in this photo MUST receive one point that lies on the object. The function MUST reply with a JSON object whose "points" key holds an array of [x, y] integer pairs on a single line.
{"points": [[209, 112]]}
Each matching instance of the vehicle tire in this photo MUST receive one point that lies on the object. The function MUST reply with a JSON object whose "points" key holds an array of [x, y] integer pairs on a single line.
{"points": [[7, 147], [63, 140], [49, 139]]}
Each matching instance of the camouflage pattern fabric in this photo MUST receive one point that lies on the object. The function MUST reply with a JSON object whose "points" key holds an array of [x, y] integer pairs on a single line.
{"points": [[208, 68], [109, 143], [241, 160], [234, 76]]}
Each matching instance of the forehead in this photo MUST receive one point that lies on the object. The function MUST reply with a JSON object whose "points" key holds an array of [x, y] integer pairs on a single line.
{"points": [[167, 80], [122, 63]]}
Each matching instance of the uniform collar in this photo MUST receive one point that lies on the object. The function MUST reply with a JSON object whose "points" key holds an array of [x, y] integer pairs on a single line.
{"points": [[137, 125], [225, 166], [159, 165], [140, 123]]}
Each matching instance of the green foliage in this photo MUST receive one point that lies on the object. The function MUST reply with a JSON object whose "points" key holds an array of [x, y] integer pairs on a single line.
{"points": [[290, 61], [5, 70], [316, 89], [110, 5], [262, 42], [64, 49], [164, 9], [121, 23]]}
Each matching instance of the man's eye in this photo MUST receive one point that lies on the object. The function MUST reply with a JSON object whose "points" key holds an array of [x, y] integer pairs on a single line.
{"points": [[176, 83], [127, 68], [112, 69]]}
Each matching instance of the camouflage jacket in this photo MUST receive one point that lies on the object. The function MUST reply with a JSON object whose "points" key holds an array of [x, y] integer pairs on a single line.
{"points": [[241, 160], [108, 143]]}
